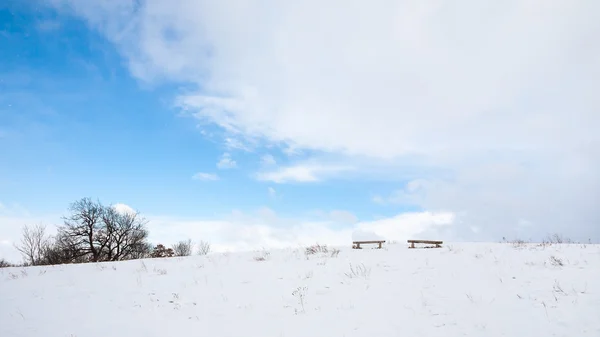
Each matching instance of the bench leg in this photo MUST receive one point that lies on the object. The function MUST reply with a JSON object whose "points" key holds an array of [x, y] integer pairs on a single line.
{"points": [[412, 245]]}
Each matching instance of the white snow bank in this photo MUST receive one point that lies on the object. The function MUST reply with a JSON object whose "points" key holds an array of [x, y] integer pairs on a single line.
{"points": [[459, 290]]}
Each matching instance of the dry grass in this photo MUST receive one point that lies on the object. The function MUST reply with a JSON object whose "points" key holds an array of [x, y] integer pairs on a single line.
{"points": [[358, 271]]}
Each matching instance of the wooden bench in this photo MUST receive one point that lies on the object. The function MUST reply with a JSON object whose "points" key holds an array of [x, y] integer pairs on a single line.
{"points": [[438, 244], [356, 244]]}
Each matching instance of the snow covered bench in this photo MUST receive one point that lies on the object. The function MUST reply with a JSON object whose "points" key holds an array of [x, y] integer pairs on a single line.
{"points": [[438, 244], [356, 244]]}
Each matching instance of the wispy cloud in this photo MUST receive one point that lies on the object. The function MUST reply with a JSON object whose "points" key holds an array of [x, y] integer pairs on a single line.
{"points": [[268, 160], [205, 176], [272, 192], [302, 173], [226, 162], [237, 144], [48, 25]]}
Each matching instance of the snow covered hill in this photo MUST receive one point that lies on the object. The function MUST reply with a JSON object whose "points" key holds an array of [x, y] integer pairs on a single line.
{"points": [[459, 290]]}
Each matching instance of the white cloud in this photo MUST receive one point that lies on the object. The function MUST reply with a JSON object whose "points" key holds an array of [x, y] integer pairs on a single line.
{"points": [[236, 144], [303, 173], [124, 209], [268, 160], [226, 162], [264, 228], [494, 94], [205, 176], [343, 217]]}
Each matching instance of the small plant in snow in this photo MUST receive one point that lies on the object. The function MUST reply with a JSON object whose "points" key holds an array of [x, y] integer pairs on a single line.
{"points": [[557, 288], [358, 271], [518, 243], [144, 267], [160, 271], [335, 252], [300, 294], [555, 261], [263, 255], [315, 249]]}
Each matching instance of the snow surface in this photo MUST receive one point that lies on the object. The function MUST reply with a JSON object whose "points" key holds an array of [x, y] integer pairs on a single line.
{"points": [[458, 290]]}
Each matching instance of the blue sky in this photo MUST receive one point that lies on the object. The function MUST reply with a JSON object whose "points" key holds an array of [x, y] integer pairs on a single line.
{"points": [[413, 123], [77, 124]]}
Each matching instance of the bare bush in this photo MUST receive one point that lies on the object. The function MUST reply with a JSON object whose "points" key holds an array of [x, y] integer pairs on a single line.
{"points": [[558, 238], [203, 248], [5, 264], [161, 251], [183, 248], [315, 249], [33, 243]]}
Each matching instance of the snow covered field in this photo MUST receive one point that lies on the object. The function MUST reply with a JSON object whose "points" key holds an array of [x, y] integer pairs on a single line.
{"points": [[457, 290]]}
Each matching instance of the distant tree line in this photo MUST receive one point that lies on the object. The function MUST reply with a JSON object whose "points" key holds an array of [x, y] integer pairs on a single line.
{"points": [[93, 232]]}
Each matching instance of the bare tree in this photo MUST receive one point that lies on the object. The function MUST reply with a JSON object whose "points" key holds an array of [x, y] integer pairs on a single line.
{"points": [[94, 232], [125, 233], [183, 248], [63, 249], [33, 243], [83, 229], [203, 247]]}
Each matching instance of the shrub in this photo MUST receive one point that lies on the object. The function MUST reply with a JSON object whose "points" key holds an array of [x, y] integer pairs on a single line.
{"points": [[5, 264], [203, 248], [183, 248], [161, 251], [315, 249]]}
